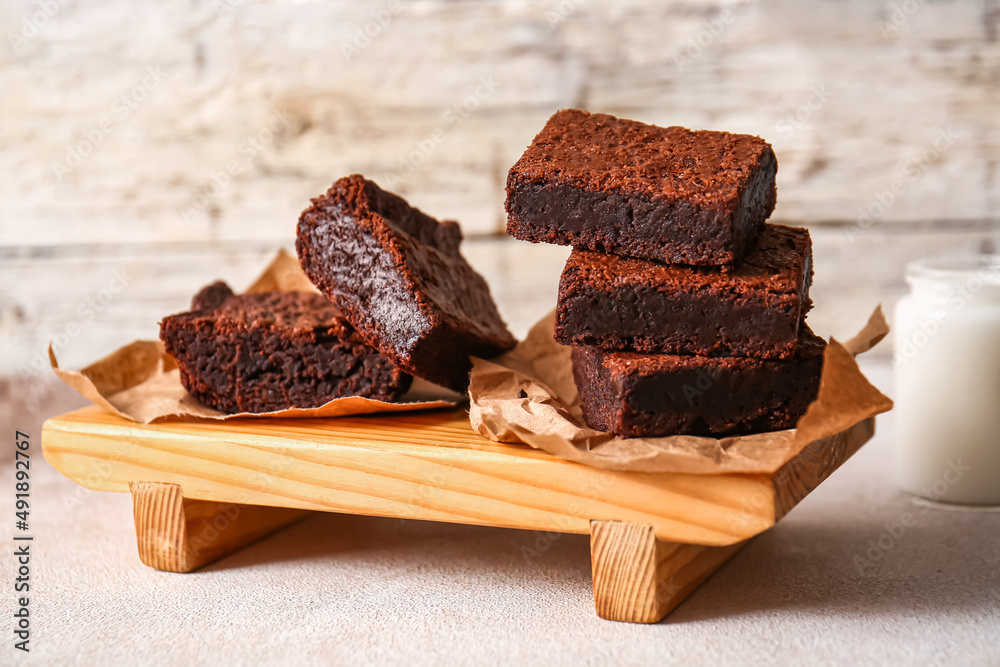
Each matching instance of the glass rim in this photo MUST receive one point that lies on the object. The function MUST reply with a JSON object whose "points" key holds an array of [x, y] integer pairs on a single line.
{"points": [[952, 269]]}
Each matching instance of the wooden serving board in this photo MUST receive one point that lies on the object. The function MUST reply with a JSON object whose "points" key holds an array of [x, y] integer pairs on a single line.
{"points": [[202, 489]]}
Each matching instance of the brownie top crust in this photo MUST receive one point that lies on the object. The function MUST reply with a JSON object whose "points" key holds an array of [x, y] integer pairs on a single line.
{"points": [[600, 152], [287, 311], [622, 364], [781, 262]]}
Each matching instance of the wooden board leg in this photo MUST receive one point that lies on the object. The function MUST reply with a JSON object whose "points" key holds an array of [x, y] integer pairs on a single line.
{"points": [[640, 579], [177, 534]]}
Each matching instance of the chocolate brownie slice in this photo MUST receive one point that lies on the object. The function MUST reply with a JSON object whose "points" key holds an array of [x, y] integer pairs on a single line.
{"points": [[621, 303], [632, 394], [274, 350], [666, 193], [398, 276]]}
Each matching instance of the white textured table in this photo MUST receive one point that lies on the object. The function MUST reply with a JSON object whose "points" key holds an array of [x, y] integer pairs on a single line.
{"points": [[835, 582]]}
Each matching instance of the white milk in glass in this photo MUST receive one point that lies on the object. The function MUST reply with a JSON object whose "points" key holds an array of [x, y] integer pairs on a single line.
{"points": [[948, 380]]}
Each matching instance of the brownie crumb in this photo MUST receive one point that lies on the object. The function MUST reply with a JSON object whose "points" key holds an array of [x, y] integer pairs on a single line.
{"points": [[211, 296]]}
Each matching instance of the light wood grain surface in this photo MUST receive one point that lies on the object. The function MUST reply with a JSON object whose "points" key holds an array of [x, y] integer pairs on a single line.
{"points": [[268, 100], [202, 490], [428, 465], [207, 128]]}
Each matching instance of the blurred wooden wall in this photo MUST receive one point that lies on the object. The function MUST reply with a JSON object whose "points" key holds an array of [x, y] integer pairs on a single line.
{"points": [[174, 143]]}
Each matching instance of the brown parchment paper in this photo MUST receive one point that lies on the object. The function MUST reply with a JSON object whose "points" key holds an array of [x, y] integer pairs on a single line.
{"points": [[528, 396], [141, 382]]}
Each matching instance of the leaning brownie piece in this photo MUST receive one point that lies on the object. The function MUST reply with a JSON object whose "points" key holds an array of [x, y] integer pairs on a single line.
{"points": [[666, 193], [620, 303], [274, 350], [399, 278], [633, 394]]}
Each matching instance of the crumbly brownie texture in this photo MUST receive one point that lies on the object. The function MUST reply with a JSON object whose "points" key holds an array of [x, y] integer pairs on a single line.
{"points": [[620, 303], [399, 278], [633, 394], [274, 350], [666, 193], [211, 296]]}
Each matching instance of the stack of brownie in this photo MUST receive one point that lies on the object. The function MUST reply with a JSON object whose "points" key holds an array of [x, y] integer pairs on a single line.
{"points": [[684, 308], [398, 300]]}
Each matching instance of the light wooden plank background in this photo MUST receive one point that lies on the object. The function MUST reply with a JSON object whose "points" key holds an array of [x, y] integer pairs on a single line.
{"points": [[117, 119]]}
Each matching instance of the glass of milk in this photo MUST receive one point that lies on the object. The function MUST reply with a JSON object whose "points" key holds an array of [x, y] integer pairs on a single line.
{"points": [[948, 380]]}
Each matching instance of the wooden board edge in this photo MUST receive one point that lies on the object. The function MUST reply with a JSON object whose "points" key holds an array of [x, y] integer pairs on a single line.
{"points": [[773, 496], [815, 463]]}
